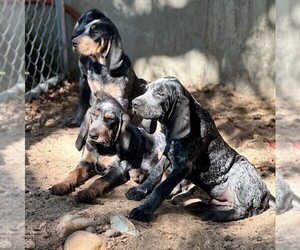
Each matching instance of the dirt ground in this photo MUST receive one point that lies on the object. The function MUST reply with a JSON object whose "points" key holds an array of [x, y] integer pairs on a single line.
{"points": [[12, 174], [246, 122]]}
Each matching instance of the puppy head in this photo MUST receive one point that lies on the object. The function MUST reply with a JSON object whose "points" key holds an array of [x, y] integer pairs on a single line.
{"points": [[103, 124], [85, 19], [168, 101], [96, 36]]}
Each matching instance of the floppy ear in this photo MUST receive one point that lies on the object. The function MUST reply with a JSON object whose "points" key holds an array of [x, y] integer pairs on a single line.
{"points": [[123, 122], [103, 54], [115, 54], [180, 118], [149, 125], [84, 129]]}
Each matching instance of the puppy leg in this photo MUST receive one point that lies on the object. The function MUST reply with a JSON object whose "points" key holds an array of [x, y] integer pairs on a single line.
{"points": [[146, 210], [181, 197], [83, 103], [75, 178], [141, 191], [223, 213], [82, 172], [243, 194], [116, 176]]}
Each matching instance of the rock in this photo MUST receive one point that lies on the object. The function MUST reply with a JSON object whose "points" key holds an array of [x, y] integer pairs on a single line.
{"points": [[5, 244], [72, 223], [90, 229], [112, 233], [84, 240], [120, 223], [29, 244]]}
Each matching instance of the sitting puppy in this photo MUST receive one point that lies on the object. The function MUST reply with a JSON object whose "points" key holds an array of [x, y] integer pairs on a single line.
{"points": [[199, 154], [107, 132], [103, 64]]}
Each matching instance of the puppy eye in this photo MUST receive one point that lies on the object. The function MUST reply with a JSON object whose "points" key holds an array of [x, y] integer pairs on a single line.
{"points": [[95, 112], [93, 26], [110, 120]]}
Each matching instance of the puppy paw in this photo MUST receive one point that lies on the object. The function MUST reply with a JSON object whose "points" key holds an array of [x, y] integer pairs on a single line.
{"points": [[141, 213], [86, 196], [61, 189], [136, 194]]}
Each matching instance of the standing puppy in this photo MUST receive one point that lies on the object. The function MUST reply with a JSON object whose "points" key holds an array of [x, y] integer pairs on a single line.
{"points": [[199, 154], [103, 64]]}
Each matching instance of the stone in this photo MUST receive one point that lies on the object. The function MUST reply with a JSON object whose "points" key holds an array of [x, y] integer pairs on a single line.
{"points": [[120, 223], [85, 240], [72, 223]]}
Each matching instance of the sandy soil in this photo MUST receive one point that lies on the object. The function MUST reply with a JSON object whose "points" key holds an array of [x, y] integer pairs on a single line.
{"points": [[246, 122]]}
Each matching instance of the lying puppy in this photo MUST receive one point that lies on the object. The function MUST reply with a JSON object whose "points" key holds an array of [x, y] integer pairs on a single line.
{"points": [[103, 64], [108, 133], [199, 154]]}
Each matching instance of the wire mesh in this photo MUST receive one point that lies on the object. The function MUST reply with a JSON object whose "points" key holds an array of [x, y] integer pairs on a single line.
{"points": [[11, 49], [43, 47]]}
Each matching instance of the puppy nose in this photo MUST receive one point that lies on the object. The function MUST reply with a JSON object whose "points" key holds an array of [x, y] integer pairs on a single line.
{"points": [[93, 135], [136, 103], [74, 43]]}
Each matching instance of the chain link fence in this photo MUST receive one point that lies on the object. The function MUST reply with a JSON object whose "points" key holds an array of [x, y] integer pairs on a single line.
{"points": [[11, 49], [45, 46], [12, 150], [42, 61]]}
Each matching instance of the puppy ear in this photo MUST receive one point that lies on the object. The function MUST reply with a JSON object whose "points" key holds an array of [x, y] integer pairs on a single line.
{"points": [[149, 125], [180, 118], [83, 132], [115, 55], [105, 43], [123, 122]]}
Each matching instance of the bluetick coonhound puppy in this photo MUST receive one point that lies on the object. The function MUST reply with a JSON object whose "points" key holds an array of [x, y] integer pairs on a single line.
{"points": [[199, 154], [106, 131], [103, 64]]}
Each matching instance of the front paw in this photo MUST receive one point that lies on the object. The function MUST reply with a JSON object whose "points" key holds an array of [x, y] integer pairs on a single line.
{"points": [[61, 189], [136, 193], [86, 196], [141, 213]]}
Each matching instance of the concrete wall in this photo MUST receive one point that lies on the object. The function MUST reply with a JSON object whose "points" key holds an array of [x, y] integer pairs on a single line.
{"points": [[198, 41], [288, 50]]}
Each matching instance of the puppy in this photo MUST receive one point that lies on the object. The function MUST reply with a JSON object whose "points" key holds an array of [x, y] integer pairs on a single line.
{"points": [[103, 64], [199, 154], [106, 132]]}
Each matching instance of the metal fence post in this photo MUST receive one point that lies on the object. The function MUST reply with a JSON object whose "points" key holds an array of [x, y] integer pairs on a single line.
{"points": [[60, 8]]}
